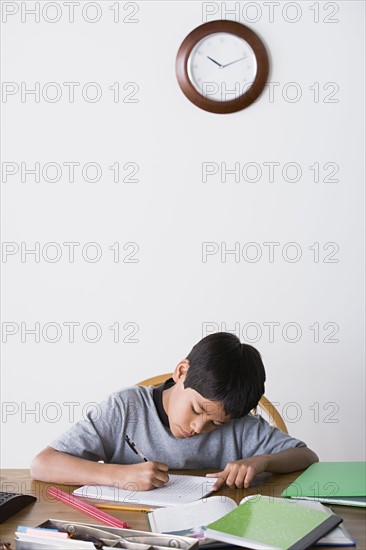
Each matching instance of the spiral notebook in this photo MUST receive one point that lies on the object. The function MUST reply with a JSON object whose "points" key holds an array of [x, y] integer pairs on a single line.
{"points": [[179, 489]]}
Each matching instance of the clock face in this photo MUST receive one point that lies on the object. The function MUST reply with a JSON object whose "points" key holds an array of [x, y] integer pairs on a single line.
{"points": [[222, 66]]}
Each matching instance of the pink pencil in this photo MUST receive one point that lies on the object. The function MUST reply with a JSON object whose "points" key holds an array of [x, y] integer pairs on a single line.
{"points": [[88, 509]]}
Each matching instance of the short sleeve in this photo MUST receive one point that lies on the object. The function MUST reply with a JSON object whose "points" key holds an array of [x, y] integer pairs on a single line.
{"points": [[94, 437], [259, 437]]}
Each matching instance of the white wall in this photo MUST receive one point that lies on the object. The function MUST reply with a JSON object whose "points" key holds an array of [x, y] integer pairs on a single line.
{"points": [[169, 293]]}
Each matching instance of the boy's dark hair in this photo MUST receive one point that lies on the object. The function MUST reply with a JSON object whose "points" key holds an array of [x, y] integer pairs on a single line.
{"points": [[223, 369]]}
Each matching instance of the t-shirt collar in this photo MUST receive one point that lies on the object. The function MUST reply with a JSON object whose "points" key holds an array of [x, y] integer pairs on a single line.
{"points": [[158, 400]]}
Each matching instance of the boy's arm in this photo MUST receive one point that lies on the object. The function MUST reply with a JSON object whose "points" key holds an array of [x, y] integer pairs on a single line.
{"points": [[241, 473], [58, 467], [291, 460]]}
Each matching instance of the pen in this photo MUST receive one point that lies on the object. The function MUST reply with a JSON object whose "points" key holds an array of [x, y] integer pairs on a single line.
{"points": [[124, 508], [135, 448]]}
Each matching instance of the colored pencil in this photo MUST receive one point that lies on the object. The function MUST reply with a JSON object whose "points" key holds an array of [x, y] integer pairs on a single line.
{"points": [[125, 508], [88, 509]]}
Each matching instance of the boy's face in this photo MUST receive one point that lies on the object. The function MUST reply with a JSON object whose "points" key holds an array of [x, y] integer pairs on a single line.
{"points": [[189, 413]]}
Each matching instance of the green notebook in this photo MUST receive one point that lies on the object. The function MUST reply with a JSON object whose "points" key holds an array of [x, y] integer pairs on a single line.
{"points": [[333, 482], [267, 523]]}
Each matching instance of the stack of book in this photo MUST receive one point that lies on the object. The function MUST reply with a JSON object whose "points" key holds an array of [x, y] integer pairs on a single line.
{"points": [[258, 522]]}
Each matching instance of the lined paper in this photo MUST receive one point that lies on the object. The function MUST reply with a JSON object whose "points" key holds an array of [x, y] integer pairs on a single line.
{"points": [[179, 489]]}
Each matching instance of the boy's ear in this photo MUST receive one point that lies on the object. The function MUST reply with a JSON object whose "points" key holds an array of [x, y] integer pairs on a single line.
{"points": [[181, 370]]}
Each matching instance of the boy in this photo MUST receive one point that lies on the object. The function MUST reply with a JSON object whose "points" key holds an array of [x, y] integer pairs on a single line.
{"points": [[199, 419]]}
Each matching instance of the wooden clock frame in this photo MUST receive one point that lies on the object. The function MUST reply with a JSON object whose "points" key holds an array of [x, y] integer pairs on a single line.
{"points": [[233, 105]]}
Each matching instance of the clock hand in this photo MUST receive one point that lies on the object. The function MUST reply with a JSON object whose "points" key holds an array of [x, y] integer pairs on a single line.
{"points": [[232, 62], [210, 58]]}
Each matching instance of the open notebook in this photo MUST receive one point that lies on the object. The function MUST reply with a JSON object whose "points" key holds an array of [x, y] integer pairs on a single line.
{"points": [[180, 489]]}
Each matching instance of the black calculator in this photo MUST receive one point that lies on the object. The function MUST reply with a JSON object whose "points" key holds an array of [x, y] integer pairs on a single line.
{"points": [[12, 503]]}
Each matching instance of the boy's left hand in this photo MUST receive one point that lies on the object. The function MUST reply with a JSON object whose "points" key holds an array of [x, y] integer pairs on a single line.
{"points": [[240, 473]]}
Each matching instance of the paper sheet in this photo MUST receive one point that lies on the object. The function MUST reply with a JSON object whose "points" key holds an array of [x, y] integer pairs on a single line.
{"points": [[180, 489]]}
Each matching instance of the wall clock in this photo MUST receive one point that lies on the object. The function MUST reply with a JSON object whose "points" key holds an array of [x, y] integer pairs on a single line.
{"points": [[222, 66]]}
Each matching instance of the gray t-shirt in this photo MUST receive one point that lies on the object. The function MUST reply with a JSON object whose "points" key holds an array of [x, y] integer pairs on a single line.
{"points": [[132, 412]]}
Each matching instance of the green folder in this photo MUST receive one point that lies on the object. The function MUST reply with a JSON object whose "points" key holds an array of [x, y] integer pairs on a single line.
{"points": [[333, 482], [266, 523]]}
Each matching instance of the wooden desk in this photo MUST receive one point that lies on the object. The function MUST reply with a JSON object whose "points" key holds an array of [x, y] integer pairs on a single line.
{"points": [[19, 481]]}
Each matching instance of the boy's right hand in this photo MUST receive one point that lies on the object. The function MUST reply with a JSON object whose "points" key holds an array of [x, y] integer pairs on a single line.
{"points": [[144, 476]]}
